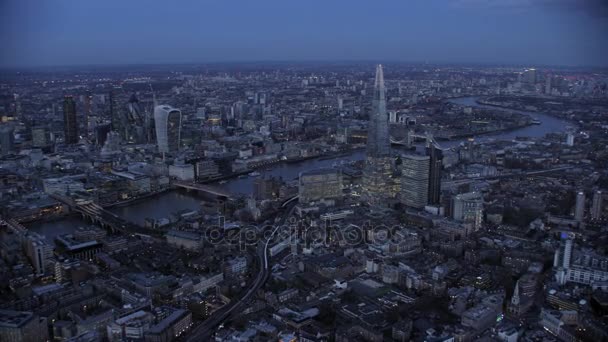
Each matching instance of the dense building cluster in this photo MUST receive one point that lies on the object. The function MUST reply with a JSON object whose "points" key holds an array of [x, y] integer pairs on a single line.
{"points": [[304, 202]]}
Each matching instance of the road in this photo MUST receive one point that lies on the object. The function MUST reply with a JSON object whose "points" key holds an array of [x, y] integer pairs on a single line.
{"points": [[203, 331]]}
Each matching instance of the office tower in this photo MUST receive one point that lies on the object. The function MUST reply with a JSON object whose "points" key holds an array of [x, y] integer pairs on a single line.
{"points": [[40, 136], [596, 206], [529, 76], [168, 121], [468, 208], [136, 128], [547, 84], [317, 185], [436, 165], [415, 180], [6, 139], [117, 116], [340, 103], [378, 171], [70, 122], [88, 109], [579, 209], [101, 133]]}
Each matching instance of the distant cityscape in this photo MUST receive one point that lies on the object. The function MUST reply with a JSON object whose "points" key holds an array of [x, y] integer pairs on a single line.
{"points": [[304, 202]]}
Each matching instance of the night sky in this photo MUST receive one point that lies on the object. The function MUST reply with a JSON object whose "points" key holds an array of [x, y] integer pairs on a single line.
{"points": [[85, 32]]}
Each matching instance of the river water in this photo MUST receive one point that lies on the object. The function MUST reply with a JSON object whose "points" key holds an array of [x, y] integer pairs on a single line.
{"points": [[163, 205]]}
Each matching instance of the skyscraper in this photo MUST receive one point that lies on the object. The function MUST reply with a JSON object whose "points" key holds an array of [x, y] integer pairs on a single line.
{"points": [[436, 165], [579, 209], [70, 123], [168, 121], [6, 139], [378, 143], [415, 180], [377, 175], [596, 205]]}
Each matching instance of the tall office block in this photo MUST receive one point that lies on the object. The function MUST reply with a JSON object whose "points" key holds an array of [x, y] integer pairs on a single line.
{"points": [[168, 121], [579, 209], [70, 123], [435, 167], [415, 180], [596, 205], [6, 139]]}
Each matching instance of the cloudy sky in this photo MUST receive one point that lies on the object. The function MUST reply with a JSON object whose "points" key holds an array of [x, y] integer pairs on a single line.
{"points": [[84, 32]]}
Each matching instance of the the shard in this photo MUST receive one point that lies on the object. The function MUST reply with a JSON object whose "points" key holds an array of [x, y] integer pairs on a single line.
{"points": [[378, 185], [378, 143]]}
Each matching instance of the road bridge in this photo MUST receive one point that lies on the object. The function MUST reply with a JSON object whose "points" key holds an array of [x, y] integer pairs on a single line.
{"points": [[213, 190]]}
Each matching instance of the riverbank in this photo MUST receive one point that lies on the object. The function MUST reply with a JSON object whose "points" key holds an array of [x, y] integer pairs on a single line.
{"points": [[483, 102], [137, 199]]}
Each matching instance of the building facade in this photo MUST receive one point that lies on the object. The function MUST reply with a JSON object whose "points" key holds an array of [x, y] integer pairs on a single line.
{"points": [[168, 121]]}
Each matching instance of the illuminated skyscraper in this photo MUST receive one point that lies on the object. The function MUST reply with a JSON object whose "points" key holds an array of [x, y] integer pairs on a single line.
{"points": [[377, 175], [378, 143], [70, 123], [168, 121]]}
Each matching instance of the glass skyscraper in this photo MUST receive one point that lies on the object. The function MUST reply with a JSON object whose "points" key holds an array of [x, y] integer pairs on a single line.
{"points": [[379, 168], [168, 121], [70, 124]]}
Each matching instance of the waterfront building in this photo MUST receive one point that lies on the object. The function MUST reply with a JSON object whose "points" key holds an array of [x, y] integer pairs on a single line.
{"points": [[323, 184], [70, 122], [168, 121], [415, 180], [187, 240]]}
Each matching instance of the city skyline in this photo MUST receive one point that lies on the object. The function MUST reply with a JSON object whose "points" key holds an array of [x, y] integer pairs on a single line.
{"points": [[531, 32]]}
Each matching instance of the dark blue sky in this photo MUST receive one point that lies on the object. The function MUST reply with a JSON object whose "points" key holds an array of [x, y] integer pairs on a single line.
{"points": [[533, 32]]}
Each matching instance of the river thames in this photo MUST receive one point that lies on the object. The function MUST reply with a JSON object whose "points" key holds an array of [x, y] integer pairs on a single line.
{"points": [[165, 204]]}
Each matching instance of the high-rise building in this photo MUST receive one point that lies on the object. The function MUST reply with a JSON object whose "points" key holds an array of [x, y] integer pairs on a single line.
{"points": [[378, 141], [468, 208], [40, 136], [168, 121], [415, 180], [579, 209], [70, 123], [530, 76], [596, 206], [378, 171], [6, 139], [436, 165]]}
